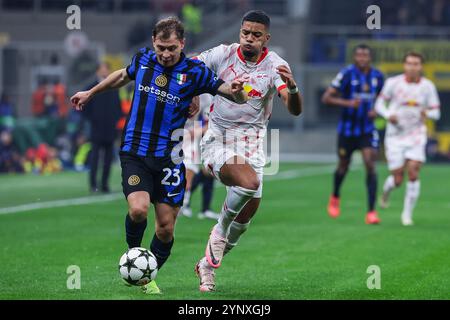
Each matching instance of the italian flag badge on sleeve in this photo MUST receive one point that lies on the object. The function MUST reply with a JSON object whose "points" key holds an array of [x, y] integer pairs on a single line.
{"points": [[181, 78]]}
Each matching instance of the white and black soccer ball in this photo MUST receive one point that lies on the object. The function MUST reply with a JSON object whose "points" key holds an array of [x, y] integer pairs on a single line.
{"points": [[138, 266]]}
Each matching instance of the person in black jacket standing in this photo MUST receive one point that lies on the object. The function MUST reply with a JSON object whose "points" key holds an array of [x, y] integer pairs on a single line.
{"points": [[102, 112]]}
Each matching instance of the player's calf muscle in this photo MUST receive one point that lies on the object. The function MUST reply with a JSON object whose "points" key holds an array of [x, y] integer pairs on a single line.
{"points": [[248, 211]]}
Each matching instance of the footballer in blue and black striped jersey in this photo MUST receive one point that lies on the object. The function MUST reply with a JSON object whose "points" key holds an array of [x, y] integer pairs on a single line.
{"points": [[355, 89], [352, 83], [161, 101]]}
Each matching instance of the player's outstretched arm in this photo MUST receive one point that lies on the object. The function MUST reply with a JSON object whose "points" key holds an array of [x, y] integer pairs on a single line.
{"points": [[331, 97], [290, 95], [116, 79], [234, 91]]}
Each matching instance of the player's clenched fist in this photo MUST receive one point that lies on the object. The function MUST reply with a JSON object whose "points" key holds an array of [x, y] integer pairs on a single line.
{"points": [[80, 99], [194, 107]]}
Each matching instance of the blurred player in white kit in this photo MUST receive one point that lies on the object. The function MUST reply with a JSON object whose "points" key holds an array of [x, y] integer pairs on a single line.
{"points": [[232, 148], [196, 127], [406, 101]]}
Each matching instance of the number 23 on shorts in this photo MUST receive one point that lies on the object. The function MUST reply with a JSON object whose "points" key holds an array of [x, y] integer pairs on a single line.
{"points": [[168, 173]]}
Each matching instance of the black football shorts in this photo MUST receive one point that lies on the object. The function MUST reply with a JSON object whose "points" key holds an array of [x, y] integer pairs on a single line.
{"points": [[164, 180], [347, 145]]}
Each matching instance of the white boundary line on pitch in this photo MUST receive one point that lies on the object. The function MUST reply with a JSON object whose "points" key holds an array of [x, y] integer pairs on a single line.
{"points": [[283, 175], [61, 203]]}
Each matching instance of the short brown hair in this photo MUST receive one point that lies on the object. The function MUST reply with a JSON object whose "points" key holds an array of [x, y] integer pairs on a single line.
{"points": [[168, 26], [415, 55]]}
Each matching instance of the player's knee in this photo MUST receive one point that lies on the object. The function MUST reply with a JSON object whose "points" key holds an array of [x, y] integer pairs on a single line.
{"points": [[138, 211], [251, 183], [398, 180], [164, 231], [370, 168], [413, 176], [342, 171], [343, 168]]}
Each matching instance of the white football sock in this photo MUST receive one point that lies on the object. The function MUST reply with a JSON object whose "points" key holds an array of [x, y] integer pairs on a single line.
{"points": [[235, 232], [187, 198], [236, 199], [411, 195]]}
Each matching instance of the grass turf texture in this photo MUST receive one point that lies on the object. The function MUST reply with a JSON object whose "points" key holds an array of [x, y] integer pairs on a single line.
{"points": [[292, 249]]}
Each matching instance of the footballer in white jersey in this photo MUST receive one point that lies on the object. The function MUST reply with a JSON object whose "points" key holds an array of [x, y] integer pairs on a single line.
{"points": [[410, 102], [406, 101], [232, 148], [242, 126]]}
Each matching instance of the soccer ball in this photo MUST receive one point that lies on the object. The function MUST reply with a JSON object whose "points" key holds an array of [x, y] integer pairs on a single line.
{"points": [[138, 266]]}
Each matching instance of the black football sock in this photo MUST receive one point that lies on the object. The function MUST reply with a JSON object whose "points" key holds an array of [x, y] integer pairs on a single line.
{"points": [[207, 192], [338, 178], [198, 178], [195, 183], [134, 231], [161, 250], [371, 182]]}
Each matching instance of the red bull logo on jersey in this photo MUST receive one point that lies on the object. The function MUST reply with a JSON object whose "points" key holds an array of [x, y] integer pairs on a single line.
{"points": [[411, 103], [254, 94], [251, 92]]}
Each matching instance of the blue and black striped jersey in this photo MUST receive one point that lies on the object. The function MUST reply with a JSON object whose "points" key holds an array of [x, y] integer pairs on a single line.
{"points": [[353, 84], [161, 101]]}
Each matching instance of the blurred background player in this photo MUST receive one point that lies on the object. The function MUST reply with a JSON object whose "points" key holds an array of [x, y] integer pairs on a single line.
{"points": [[406, 101], [102, 112], [195, 175], [206, 180], [355, 89], [232, 148]]}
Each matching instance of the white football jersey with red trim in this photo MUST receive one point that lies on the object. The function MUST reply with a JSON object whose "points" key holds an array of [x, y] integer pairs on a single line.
{"points": [[252, 117]]}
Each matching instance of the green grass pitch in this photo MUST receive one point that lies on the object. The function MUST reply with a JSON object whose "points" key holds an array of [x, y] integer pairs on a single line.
{"points": [[292, 249]]}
